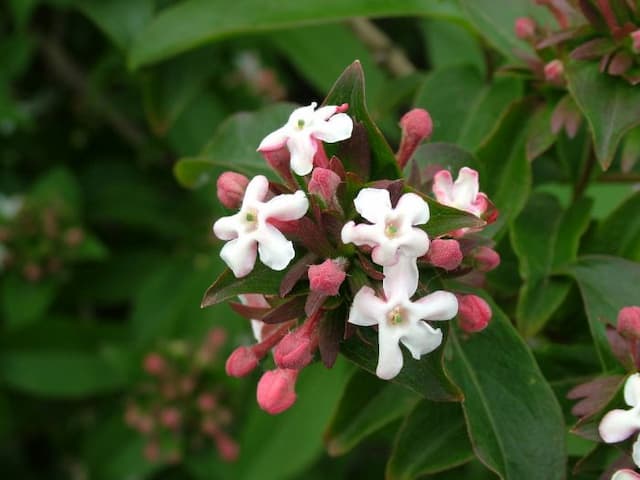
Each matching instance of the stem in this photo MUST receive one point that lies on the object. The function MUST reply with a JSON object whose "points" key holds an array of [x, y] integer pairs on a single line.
{"points": [[388, 55], [583, 182]]}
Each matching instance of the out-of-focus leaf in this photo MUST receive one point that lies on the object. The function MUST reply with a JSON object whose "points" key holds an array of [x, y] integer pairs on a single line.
{"points": [[278, 447], [540, 137], [425, 376], [631, 150], [121, 20], [514, 420], [196, 124], [25, 302], [450, 43], [545, 237], [607, 284], [624, 224], [194, 22], [367, 405], [611, 105], [233, 146], [57, 189], [431, 439]]}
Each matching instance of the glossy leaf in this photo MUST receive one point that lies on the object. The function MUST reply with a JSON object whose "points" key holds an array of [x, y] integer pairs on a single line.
{"points": [[367, 405], [450, 43], [425, 376], [431, 439], [610, 104], [445, 219], [624, 223], [540, 137], [607, 284], [514, 420]]}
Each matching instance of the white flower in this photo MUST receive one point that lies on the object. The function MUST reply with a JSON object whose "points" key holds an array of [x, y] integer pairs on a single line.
{"points": [[618, 425], [392, 231], [249, 231], [10, 206], [401, 320], [625, 475], [258, 301], [464, 194], [303, 131]]}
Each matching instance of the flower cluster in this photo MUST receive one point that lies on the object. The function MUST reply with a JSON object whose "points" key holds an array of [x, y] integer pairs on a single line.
{"points": [[352, 253], [177, 407]]}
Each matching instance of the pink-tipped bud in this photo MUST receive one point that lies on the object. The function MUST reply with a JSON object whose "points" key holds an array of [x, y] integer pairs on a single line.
{"points": [[629, 322], [327, 277], [207, 402], [227, 447], [554, 72], [635, 41], [32, 272], [474, 313], [295, 350], [171, 418], [152, 451], [416, 126], [144, 424], [231, 187], [241, 362], [154, 364], [324, 183], [279, 161], [444, 253], [485, 259], [525, 28], [216, 337], [276, 390], [74, 237]]}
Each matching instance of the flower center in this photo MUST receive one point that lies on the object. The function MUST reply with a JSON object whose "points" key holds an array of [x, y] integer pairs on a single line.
{"points": [[396, 316], [300, 124], [391, 228], [251, 219]]}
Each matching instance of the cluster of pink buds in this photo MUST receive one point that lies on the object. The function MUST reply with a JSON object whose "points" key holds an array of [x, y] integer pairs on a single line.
{"points": [[178, 406], [351, 252]]}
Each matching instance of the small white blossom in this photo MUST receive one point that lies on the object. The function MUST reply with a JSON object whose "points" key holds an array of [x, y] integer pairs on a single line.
{"points": [[10, 206], [249, 232], [464, 194], [399, 319], [391, 232], [625, 474], [304, 130], [618, 425]]}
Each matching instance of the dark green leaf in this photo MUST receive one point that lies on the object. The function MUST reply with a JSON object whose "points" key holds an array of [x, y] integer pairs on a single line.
{"points": [[425, 376], [449, 43], [540, 137], [25, 302], [607, 284], [611, 105], [624, 223], [367, 404], [514, 420], [432, 438]]}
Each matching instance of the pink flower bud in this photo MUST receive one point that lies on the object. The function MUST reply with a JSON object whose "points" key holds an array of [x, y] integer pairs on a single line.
{"points": [[170, 417], [231, 187], [154, 364], [152, 451], [216, 337], [294, 351], [474, 313], [32, 272], [525, 28], [486, 259], [278, 160], [207, 402], [629, 322], [444, 254], [635, 41], [276, 390], [327, 277], [416, 126], [241, 362], [145, 424], [227, 447], [554, 72], [324, 183], [73, 237]]}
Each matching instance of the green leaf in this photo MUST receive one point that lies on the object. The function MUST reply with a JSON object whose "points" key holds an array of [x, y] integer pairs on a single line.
{"points": [[425, 376], [540, 137], [367, 405], [194, 22], [431, 439], [513, 417], [611, 105], [607, 284], [450, 43], [233, 146], [25, 302], [277, 447], [445, 219], [544, 238], [350, 88]]}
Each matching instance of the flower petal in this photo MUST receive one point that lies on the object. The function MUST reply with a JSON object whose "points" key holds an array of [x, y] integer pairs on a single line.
{"points": [[635, 454], [443, 187], [302, 148], [385, 253], [324, 113], [286, 207], [401, 279], [618, 425], [367, 309], [227, 228], [275, 140], [438, 305], [275, 250], [414, 208], [626, 474], [362, 234], [373, 204], [390, 359], [632, 390], [337, 128], [255, 192], [415, 243], [466, 187], [421, 339], [240, 255]]}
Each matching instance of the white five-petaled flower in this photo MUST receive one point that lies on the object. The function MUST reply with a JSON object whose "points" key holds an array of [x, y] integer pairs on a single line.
{"points": [[248, 231], [463, 194], [304, 130], [401, 320], [391, 232], [618, 425]]}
